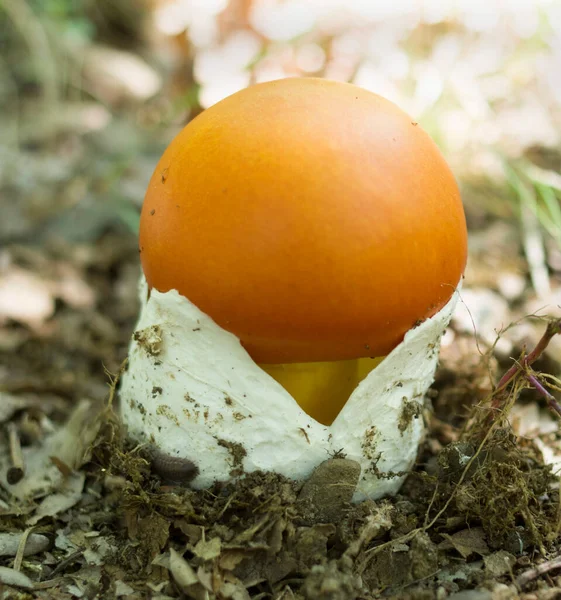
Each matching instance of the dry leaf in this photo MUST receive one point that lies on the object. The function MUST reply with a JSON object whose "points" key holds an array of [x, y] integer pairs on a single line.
{"points": [[208, 549], [467, 542], [54, 504], [230, 559]]}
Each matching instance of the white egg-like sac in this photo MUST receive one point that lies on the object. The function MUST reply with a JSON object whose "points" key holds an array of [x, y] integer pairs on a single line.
{"points": [[191, 391]]}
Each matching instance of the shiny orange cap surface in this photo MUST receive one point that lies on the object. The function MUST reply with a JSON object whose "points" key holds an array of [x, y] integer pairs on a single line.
{"points": [[313, 219]]}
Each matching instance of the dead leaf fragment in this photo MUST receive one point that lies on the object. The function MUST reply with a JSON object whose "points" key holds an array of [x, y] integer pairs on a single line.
{"points": [[208, 549], [122, 589], [235, 591], [181, 571], [70, 444], [231, 558], [467, 542], [68, 497]]}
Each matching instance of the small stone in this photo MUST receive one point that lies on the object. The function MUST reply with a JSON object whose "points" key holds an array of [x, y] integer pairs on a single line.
{"points": [[329, 489], [35, 543], [499, 563], [11, 577], [517, 541]]}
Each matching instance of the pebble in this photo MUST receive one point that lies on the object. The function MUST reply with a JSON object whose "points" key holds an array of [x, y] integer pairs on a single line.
{"points": [[329, 489], [9, 543]]}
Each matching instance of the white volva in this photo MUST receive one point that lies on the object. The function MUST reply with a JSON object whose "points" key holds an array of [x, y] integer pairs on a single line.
{"points": [[192, 391]]}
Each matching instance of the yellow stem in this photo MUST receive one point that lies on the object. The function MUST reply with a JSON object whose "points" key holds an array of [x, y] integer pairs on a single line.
{"points": [[322, 388]]}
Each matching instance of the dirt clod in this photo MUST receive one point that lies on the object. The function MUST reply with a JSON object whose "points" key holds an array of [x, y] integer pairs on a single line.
{"points": [[329, 490]]}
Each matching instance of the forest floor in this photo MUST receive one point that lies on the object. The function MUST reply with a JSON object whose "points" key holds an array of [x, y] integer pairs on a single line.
{"points": [[82, 514]]}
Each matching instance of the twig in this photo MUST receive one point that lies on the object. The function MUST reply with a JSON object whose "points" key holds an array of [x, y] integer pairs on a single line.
{"points": [[21, 548], [48, 583], [531, 574], [553, 328], [551, 401], [17, 470], [67, 561], [432, 500], [114, 381]]}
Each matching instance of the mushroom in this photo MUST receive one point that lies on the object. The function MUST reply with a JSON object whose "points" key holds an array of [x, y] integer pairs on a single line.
{"points": [[302, 243]]}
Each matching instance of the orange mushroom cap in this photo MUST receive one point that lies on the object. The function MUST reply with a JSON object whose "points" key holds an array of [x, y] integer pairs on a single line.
{"points": [[311, 218]]}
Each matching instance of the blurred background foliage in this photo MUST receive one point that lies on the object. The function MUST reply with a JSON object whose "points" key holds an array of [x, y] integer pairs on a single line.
{"points": [[92, 91]]}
